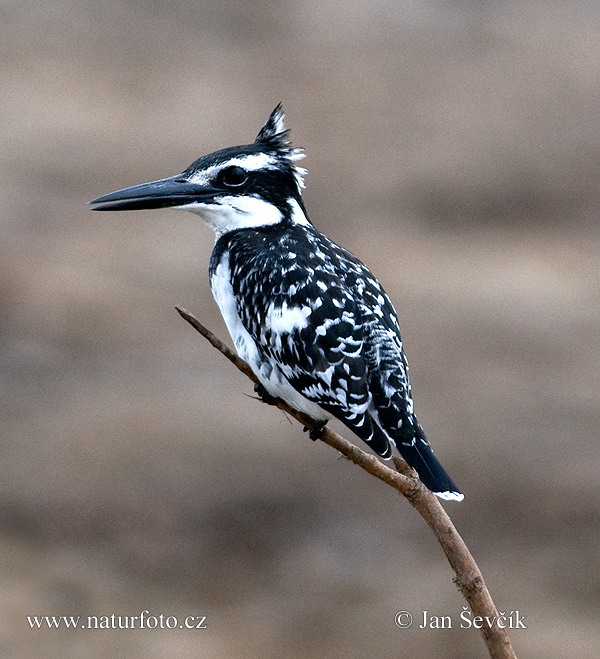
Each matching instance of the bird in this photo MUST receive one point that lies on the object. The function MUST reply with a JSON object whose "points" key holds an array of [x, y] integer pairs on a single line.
{"points": [[312, 321]]}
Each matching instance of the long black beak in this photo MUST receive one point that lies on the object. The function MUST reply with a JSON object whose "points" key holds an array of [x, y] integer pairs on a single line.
{"points": [[173, 191]]}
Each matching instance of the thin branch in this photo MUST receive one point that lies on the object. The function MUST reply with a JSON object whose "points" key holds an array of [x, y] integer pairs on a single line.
{"points": [[468, 575]]}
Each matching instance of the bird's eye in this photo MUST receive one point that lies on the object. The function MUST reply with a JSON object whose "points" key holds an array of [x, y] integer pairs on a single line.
{"points": [[233, 177]]}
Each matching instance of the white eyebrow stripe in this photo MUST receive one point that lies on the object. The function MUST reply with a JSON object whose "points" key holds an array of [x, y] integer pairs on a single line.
{"points": [[250, 163], [255, 161]]}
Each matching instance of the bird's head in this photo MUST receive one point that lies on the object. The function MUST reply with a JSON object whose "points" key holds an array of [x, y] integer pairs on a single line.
{"points": [[239, 187]]}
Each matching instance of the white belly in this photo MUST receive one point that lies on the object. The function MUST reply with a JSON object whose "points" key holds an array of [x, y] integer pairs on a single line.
{"points": [[266, 369]]}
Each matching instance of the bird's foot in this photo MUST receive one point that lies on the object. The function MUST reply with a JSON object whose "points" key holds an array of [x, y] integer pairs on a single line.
{"points": [[263, 394], [316, 432]]}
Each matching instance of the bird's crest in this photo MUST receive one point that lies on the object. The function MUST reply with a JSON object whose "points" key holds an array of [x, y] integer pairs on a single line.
{"points": [[274, 136], [274, 133]]}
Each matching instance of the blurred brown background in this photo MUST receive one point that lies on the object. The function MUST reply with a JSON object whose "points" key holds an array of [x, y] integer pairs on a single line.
{"points": [[453, 146]]}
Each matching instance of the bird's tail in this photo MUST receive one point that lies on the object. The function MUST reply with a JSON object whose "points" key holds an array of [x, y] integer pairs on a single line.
{"points": [[420, 457]]}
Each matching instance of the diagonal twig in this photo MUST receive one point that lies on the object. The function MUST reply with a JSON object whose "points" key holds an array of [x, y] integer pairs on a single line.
{"points": [[468, 575]]}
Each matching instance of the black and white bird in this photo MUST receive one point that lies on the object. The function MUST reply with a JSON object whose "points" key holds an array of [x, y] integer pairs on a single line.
{"points": [[311, 320]]}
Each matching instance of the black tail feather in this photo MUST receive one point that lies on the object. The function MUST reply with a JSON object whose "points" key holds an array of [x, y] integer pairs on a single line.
{"points": [[421, 458]]}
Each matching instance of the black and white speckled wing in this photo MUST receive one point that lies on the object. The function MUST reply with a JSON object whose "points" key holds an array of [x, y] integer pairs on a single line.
{"points": [[325, 361], [326, 325]]}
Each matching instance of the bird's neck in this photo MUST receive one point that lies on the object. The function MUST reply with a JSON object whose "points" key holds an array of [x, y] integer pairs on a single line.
{"points": [[235, 213]]}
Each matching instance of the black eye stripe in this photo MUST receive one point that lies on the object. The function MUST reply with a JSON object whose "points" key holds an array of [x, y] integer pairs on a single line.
{"points": [[233, 176]]}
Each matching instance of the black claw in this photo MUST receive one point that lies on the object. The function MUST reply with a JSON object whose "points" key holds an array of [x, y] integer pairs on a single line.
{"points": [[316, 432], [263, 394]]}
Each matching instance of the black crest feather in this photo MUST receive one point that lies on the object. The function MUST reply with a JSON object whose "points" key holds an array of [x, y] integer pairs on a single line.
{"points": [[274, 133], [273, 136]]}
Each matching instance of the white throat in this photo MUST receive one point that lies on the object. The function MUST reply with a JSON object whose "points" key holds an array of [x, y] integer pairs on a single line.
{"points": [[230, 213], [234, 212]]}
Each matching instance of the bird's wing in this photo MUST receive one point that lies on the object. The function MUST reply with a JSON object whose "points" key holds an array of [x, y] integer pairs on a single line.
{"points": [[325, 362], [326, 322], [388, 368], [316, 338]]}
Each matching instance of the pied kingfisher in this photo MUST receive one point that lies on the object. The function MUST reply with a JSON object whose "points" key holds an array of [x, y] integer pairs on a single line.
{"points": [[310, 319]]}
